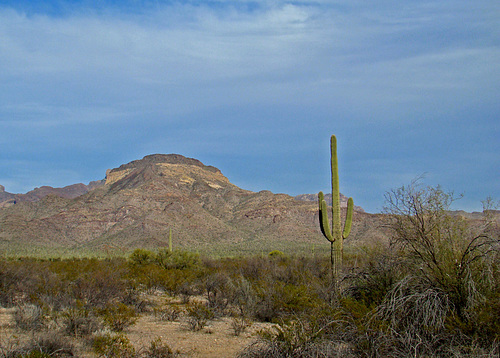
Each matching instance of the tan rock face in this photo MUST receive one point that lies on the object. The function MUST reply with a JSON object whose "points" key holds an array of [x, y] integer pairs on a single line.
{"points": [[113, 177]]}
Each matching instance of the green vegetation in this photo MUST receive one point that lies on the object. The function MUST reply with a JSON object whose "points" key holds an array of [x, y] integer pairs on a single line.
{"points": [[335, 234]]}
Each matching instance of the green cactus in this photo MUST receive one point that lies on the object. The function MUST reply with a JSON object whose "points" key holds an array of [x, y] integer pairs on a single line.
{"points": [[335, 234]]}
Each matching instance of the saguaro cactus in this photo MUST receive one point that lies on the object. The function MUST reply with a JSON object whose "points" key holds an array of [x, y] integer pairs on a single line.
{"points": [[170, 240], [335, 234]]}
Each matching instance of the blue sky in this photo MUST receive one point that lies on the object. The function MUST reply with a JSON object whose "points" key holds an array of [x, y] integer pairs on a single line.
{"points": [[255, 88]]}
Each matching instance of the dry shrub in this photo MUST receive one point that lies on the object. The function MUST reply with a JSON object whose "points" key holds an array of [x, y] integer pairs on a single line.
{"points": [[79, 320], [198, 315], [218, 289], [413, 306], [118, 316], [158, 349], [170, 312], [112, 345], [29, 317], [239, 324], [244, 297], [299, 338], [42, 345]]}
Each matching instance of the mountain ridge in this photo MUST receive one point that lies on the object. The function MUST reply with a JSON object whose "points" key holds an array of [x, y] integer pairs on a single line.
{"points": [[139, 202]]}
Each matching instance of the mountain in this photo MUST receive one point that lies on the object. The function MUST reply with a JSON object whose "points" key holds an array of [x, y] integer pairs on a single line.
{"points": [[138, 203], [68, 192], [328, 199]]}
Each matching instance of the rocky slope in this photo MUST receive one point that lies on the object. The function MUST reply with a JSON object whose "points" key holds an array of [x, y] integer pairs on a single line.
{"points": [[139, 202]]}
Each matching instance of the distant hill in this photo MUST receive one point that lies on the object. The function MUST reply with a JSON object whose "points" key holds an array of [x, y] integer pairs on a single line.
{"points": [[139, 202], [68, 192]]}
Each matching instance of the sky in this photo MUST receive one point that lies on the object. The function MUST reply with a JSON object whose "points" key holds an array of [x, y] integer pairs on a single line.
{"points": [[255, 88]]}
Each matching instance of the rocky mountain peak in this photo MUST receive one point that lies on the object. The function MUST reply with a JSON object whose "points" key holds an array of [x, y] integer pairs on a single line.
{"points": [[152, 159]]}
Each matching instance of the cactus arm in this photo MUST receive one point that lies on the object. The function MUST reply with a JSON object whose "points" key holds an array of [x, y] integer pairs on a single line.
{"points": [[348, 219], [323, 218]]}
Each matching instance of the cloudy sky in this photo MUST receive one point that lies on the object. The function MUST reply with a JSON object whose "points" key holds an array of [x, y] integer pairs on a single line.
{"points": [[255, 88]]}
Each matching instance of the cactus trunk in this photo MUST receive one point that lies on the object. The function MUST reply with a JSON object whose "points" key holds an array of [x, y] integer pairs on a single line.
{"points": [[334, 234]]}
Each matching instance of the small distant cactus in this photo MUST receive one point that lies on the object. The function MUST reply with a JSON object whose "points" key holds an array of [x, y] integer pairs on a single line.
{"points": [[335, 234], [170, 240]]}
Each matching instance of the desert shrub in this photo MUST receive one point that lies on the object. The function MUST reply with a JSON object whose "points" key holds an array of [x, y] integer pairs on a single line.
{"points": [[149, 276], [239, 324], [436, 306], [177, 259], [277, 299], [170, 312], [79, 320], [277, 254], [29, 317], [198, 315], [298, 338], [142, 257], [98, 286], [112, 345], [117, 316], [219, 291], [244, 297], [47, 344], [373, 281], [444, 251], [158, 349]]}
